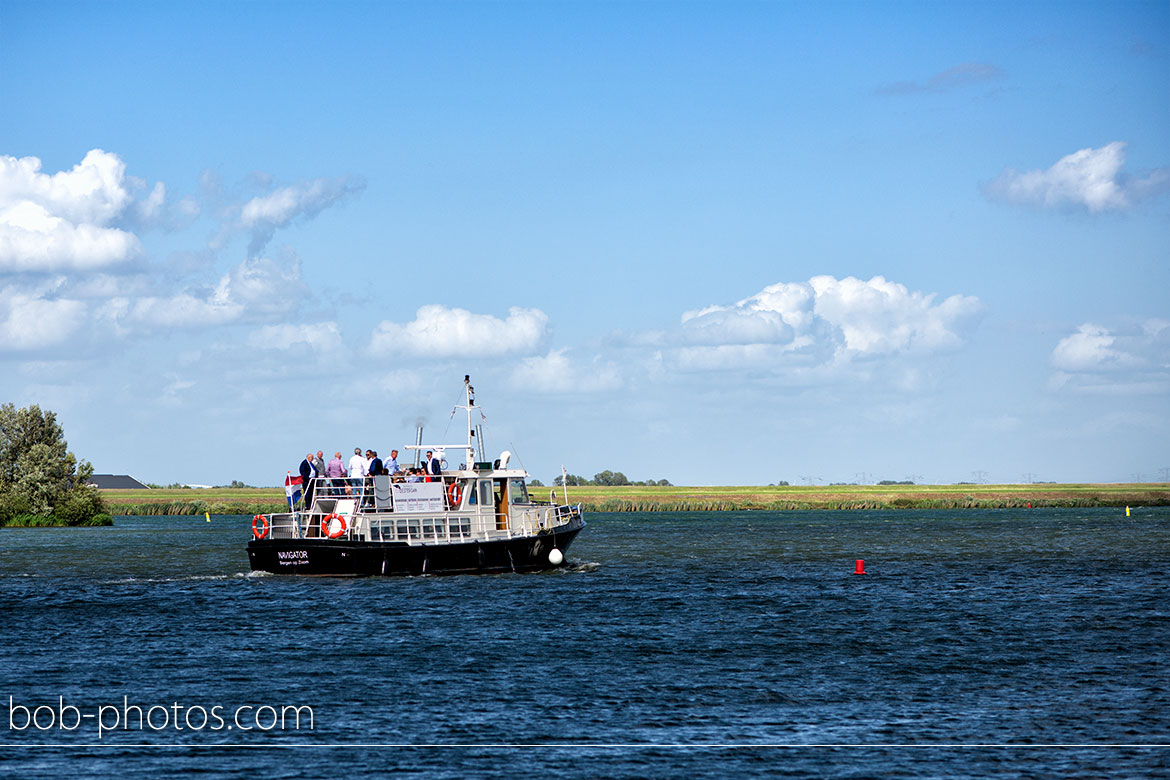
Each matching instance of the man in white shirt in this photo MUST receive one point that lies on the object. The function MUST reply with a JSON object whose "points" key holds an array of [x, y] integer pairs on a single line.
{"points": [[357, 470]]}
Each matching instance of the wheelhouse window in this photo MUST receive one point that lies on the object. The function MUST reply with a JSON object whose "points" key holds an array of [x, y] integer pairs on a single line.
{"points": [[518, 491]]}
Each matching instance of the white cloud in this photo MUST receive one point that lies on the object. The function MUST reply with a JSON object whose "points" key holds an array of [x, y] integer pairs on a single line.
{"points": [[821, 321], [152, 208], [556, 373], [63, 221], [262, 215], [438, 331], [264, 285], [32, 239], [1088, 178], [93, 192], [1135, 359], [881, 317], [29, 321], [255, 288], [322, 337], [1089, 349]]}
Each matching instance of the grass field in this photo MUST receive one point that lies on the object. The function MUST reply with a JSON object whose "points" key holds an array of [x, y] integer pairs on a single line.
{"points": [[680, 499]]}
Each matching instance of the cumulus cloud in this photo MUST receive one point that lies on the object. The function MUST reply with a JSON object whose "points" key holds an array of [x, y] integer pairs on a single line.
{"points": [[1089, 179], [820, 321], [557, 373], [1099, 359], [963, 75], [63, 221], [93, 192], [262, 215], [1091, 348], [31, 320], [438, 331]]}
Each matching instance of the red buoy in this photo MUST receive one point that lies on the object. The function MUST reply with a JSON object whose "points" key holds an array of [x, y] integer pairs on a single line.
{"points": [[860, 569]]}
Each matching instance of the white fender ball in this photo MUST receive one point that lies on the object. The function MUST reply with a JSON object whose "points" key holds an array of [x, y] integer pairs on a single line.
{"points": [[555, 557]]}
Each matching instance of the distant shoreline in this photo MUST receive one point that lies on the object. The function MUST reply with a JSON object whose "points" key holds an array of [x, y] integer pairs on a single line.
{"points": [[220, 501]]}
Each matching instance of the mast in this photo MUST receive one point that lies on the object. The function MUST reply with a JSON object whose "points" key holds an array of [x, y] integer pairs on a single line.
{"points": [[469, 445], [471, 427]]}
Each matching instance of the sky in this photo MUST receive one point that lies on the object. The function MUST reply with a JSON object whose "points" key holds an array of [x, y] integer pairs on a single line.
{"points": [[714, 243]]}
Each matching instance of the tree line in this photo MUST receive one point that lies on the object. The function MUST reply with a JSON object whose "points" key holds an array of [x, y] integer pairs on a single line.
{"points": [[607, 478], [41, 482]]}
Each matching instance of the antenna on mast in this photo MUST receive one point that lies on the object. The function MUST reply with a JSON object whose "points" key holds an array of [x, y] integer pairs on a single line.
{"points": [[471, 428]]}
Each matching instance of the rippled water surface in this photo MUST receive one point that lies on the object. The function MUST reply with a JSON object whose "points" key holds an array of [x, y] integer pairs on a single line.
{"points": [[1031, 643]]}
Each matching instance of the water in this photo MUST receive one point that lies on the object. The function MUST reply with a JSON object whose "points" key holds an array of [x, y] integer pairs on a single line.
{"points": [[1031, 643]]}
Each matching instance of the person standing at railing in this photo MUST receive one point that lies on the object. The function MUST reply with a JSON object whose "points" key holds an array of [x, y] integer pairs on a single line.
{"points": [[308, 471], [357, 470], [392, 467], [335, 471], [374, 470]]}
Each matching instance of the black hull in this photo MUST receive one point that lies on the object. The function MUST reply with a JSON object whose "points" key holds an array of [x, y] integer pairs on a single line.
{"points": [[340, 558]]}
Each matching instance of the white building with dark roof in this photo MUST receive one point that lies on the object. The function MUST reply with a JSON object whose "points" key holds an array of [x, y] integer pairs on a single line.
{"points": [[116, 482]]}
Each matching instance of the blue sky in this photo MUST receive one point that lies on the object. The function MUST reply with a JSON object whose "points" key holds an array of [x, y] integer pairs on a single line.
{"points": [[718, 243]]}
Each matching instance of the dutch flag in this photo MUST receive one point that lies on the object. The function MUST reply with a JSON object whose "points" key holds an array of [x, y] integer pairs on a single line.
{"points": [[292, 489]]}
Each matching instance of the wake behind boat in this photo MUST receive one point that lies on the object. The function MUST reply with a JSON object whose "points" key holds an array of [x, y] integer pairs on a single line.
{"points": [[478, 518]]}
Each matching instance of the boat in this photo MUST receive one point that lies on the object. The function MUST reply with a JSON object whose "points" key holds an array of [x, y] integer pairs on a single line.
{"points": [[479, 518]]}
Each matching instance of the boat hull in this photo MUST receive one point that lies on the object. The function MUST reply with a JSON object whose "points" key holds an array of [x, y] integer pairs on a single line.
{"points": [[341, 558]]}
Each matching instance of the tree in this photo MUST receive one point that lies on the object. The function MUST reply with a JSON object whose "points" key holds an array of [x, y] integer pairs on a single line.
{"points": [[38, 474]]}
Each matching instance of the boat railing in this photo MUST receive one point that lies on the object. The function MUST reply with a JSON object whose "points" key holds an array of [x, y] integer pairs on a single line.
{"points": [[373, 493], [283, 525], [367, 507]]}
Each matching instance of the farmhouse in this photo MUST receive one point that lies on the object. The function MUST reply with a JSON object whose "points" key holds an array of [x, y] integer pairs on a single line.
{"points": [[116, 482]]}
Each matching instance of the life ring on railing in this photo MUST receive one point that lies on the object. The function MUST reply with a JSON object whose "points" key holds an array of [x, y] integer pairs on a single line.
{"points": [[260, 533], [325, 525], [454, 493]]}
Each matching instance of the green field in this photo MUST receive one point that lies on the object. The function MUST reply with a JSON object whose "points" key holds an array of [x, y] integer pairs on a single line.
{"points": [[218, 501]]}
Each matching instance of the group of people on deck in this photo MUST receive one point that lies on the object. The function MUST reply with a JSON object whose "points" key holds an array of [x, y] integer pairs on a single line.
{"points": [[342, 478]]}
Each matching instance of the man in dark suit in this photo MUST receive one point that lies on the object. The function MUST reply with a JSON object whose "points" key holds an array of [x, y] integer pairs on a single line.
{"points": [[308, 471], [375, 464], [433, 465]]}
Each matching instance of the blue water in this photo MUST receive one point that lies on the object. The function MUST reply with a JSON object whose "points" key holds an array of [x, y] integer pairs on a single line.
{"points": [[1026, 643]]}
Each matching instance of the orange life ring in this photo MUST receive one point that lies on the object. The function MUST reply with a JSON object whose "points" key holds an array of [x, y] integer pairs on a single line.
{"points": [[260, 533], [325, 525], [454, 493]]}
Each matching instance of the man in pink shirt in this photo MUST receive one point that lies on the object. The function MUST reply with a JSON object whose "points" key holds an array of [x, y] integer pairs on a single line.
{"points": [[335, 471]]}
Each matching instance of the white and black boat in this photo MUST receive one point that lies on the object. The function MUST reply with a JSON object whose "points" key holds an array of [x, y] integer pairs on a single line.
{"points": [[478, 518]]}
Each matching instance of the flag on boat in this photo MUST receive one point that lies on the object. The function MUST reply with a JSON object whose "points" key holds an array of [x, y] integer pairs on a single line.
{"points": [[292, 489]]}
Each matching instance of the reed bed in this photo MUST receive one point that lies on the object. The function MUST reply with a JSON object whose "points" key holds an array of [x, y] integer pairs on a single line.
{"points": [[198, 507], [249, 501]]}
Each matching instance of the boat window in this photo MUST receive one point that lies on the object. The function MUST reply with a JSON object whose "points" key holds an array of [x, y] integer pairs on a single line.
{"points": [[485, 492], [518, 491]]}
